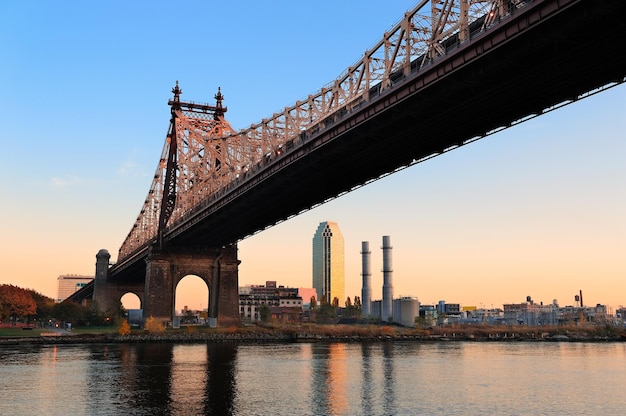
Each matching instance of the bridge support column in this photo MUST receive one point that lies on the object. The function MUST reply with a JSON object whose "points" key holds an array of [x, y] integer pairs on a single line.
{"points": [[107, 293], [225, 288], [218, 267], [104, 294]]}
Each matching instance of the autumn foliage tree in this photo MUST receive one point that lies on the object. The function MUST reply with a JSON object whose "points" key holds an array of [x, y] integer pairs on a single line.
{"points": [[16, 302], [124, 328], [154, 326]]}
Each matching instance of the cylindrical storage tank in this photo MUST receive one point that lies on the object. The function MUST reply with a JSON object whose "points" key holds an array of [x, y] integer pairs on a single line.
{"points": [[366, 289], [408, 310], [387, 312]]}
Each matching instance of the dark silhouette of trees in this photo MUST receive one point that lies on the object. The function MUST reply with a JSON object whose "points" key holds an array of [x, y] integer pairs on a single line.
{"points": [[45, 306], [265, 313], [325, 314], [352, 310], [68, 311]]}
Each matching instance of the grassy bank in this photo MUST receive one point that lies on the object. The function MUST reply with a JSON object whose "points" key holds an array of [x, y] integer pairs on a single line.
{"points": [[317, 332], [19, 332]]}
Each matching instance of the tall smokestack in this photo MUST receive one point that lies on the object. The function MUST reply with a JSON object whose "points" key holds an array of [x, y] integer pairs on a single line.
{"points": [[582, 305], [387, 307], [366, 290]]}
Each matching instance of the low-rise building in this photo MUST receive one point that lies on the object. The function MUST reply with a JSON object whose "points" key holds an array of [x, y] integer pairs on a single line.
{"points": [[284, 303], [70, 283]]}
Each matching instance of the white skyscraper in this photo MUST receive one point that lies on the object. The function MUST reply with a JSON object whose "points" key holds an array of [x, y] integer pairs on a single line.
{"points": [[328, 262]]}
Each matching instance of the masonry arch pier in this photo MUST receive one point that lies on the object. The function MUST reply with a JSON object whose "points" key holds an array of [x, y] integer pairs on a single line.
{"points": [[164, 269]]}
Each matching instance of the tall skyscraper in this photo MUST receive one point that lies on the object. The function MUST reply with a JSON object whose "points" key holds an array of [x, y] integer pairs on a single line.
{"points": [[328, 263]]}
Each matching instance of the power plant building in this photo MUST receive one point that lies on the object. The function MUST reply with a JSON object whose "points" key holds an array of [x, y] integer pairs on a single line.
{"points": [[403, 310], [328, 263]]}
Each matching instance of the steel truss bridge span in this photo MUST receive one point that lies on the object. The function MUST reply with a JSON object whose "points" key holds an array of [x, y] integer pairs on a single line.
{"points": [[476, 68]]}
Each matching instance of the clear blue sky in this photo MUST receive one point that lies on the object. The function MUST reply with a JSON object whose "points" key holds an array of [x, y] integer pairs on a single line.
{"points": [[535, 210]]}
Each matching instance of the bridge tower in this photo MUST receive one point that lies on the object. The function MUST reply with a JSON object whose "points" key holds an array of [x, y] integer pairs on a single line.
{"points": [[195, 166], [191, 158]]}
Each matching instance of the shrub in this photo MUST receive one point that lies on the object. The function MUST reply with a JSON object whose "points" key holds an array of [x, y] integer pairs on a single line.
{"points": [[124, 328], [153, 326]]}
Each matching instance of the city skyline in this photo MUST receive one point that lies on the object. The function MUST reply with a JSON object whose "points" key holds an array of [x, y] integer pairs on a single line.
{"points": [[536, 209]]}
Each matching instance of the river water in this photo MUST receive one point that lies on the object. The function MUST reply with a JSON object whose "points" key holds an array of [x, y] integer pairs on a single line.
{"points": [[392, 378]]}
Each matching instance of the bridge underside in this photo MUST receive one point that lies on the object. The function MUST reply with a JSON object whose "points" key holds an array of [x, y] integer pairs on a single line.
{"points": [[524, 66]]}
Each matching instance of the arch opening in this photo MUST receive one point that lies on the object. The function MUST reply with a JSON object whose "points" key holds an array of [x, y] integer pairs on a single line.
{"points": [[132, 305], [191, 301]]}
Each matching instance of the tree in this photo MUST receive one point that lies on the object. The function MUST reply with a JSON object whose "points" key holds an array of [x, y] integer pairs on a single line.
{"points": [[68, 311], [45, 306], [348, 302], [16, 302], [326, 313], [336, 302], [153, 326], [356, 310], [313, 303], [124, 328], [265, 313]]}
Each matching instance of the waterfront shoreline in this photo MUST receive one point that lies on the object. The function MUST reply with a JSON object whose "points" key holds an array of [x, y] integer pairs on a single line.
{"points": [[329, 334]]}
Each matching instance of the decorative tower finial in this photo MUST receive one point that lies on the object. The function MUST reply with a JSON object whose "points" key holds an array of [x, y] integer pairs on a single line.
{"points": [[219, 97], [177, 92], [219, 110]]}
